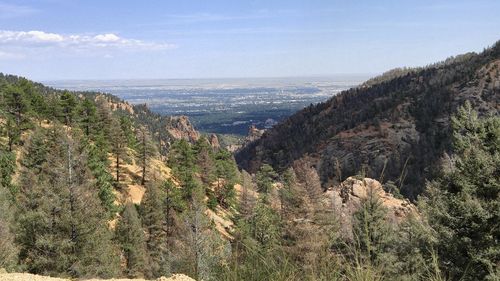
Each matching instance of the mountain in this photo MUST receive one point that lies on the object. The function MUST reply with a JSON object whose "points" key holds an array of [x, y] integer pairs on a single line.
{"points": [[91, 186], [395, 127]]}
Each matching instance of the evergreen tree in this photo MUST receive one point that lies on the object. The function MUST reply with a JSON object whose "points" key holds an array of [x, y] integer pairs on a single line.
{"points": [[370, 228], [182, 160], [16, 104], [128, 131], [130, 235], [203, 252], [463, 204], [7, 168], [13, 132], [173, 203], [265, 225], [8, 250], [87, 113], [226, 173], [205, 160], [62, 226], [118, 142], [153, 219], [98, 164], [146, 151], [68, 103], [265, 179]]}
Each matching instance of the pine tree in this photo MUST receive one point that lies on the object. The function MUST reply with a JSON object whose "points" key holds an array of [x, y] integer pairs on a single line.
{"points": [[265, 179], [98, 164], [265, 226], [146, 151], [118, 142], [87, 114], [226, 173], [153, 220], [182, 160], [8, 249], [16, 104], [371, 229], [128, 131], [13, 133], [130, 236], [205, 161], [68, 103], [7, 167], [201, 239], [463, 203], [62, 225]]}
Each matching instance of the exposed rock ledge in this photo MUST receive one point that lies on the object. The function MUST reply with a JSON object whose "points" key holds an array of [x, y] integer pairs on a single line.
{"points": [[346, 198]]}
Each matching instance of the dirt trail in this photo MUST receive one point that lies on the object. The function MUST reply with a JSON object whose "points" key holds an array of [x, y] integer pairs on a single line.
{"points": [[32, 277]]}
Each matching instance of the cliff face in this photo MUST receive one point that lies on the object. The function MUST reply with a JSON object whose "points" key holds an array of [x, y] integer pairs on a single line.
{"points": [[396, 129], [179, 127]]}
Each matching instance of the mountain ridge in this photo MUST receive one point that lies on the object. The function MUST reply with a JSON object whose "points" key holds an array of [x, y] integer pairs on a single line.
{"points": [[395, 129]]}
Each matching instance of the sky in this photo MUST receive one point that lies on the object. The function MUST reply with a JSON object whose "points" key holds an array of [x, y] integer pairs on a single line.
{"points": [[120, 39]]}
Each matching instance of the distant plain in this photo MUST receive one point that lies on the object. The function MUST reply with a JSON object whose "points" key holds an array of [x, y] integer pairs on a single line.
{"points": [[223, 106]]}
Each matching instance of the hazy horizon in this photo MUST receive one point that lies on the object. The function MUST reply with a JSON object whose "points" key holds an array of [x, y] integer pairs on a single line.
{"points": [[60, 40]]}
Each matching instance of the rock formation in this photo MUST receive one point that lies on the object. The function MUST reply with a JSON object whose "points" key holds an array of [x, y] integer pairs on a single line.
{"points": [[214, 141], [179, 127], [346, 198], [253, 134]]}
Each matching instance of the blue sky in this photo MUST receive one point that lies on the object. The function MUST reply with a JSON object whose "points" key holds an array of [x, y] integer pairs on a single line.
{"points": [[97, 39]]}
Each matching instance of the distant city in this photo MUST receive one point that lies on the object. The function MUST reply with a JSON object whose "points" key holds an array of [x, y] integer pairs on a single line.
{"points": [[224, 106]]}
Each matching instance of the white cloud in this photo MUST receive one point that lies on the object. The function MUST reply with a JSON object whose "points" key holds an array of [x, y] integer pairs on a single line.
{"points": [[108, 37], [77, 42]]}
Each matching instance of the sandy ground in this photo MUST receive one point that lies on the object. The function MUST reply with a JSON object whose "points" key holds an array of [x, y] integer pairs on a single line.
{"points": [[31, 277]]}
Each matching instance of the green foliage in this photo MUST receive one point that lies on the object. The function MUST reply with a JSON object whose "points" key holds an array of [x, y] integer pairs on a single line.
{"points": [[463, 204], [87, 115], [130, 236], [62, 227], [181, 159], [8, 250], [153, 220], [226, 173], [265, 179], [98, 164], [68, 103], [127, 128], [145, 150], [370, 228], [265, 225], [7, 167]]}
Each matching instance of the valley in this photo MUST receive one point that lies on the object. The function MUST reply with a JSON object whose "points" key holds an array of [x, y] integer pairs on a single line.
{"points": [[222, 106]]}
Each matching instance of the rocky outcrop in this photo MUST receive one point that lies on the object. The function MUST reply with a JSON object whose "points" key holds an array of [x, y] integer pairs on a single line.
{"points": [[346, 198], [179, 127], [253, 134], [214, 141]]}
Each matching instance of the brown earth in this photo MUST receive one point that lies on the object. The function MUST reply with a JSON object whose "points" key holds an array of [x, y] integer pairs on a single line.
{"points": [[32, 277]]}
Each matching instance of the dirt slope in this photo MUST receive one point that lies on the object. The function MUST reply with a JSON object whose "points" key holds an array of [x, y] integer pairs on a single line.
{"points": [[32, 277]]}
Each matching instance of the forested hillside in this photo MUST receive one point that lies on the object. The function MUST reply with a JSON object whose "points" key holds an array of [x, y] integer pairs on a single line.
{"points": [[92, 187], [86, 189], [395, 127]]}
